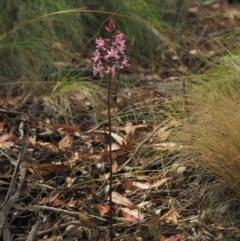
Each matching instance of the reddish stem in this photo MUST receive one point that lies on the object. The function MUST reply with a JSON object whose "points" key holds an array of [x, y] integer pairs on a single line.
{"points": [[110, 152]]}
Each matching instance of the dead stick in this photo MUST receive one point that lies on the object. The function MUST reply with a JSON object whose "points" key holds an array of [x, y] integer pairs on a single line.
{"points": [[57, 210], [10, 197], [35, 228], [13, 199]]}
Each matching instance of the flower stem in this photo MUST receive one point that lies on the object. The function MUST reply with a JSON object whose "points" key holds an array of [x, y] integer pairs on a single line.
{"points": [[110, 153]]}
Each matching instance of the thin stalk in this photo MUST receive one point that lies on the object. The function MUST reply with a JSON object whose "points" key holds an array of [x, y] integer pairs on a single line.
{"points": [[110, 152]]}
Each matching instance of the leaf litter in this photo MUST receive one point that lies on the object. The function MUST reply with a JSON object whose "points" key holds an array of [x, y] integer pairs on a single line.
{"points": [[66, 174], [64, 187]]}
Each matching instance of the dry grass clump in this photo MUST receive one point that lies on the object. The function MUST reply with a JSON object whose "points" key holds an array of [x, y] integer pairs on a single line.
{"points": [[215, 130]]}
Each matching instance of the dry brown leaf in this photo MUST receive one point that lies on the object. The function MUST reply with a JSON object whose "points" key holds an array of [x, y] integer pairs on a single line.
{"points": [[69, 181], [120, 140], [59, 202], [175, 237], [142, 204], [120, 199], [73, 159], [66, 141], [99, 137], [159, 183], [114, 147], [134, 128], [161, 238], [131, 215], [124, 149], [128, 127], [172, 216], [143, 186], [31, 140], [59, 169], [129, 185], [103, 209], [114, 166], [46, 144], [2, 125], [66, 129], [72, 203], [164, 133], [49, 199]]}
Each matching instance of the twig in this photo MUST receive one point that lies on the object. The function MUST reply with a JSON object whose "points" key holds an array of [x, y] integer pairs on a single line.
{"points": [[13, 199], [10, 197], [59, 210], [16, 169], [61, 226], [35, 228]]}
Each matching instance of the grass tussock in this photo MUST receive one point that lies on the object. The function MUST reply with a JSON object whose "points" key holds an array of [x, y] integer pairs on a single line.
{"points": [[215, 130]]}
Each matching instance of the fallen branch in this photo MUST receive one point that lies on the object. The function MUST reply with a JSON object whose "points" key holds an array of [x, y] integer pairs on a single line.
{"points": [[57, 210], [13, 199], [35, 228]]}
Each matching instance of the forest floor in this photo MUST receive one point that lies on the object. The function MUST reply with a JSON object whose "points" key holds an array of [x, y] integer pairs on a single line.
{"points": [[54, 175]]}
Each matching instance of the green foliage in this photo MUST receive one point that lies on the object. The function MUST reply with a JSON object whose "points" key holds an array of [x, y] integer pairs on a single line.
{"points": [[27, 37]]}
